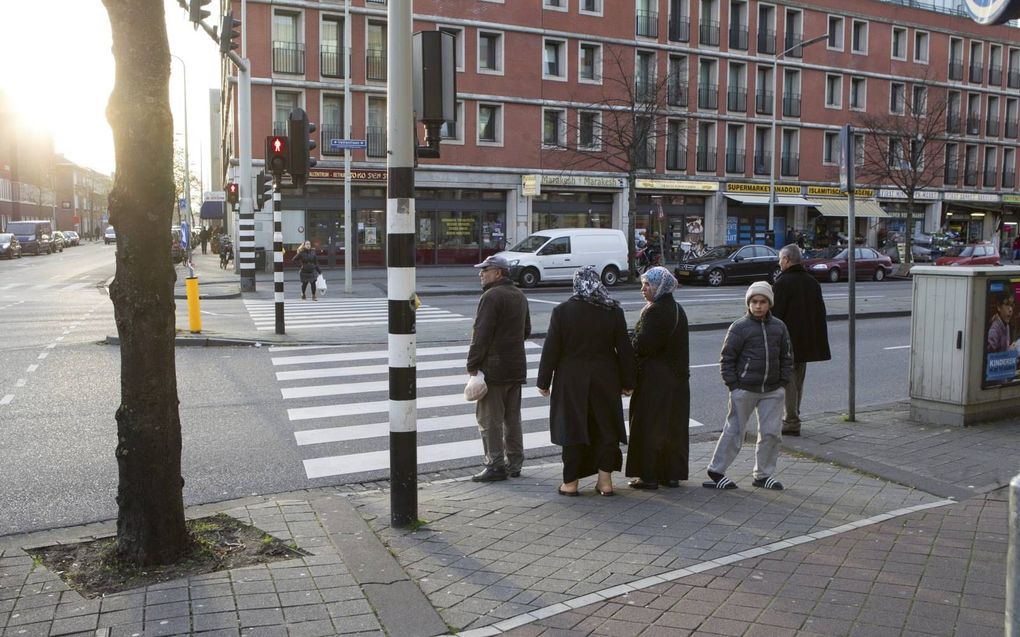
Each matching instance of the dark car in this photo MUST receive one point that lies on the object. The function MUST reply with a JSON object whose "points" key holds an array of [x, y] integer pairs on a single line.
{"points": [[34, 236], [830, 264], [57, 241], [731, 263], [10, 247], [72, 238], [976, 254]]}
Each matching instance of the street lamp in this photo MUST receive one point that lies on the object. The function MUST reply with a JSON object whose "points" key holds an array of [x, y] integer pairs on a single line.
{"points": [[775, 116], [187, 165]]}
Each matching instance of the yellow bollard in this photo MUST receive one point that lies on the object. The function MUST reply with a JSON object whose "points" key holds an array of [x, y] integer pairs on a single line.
{"points": [[194, 312]]}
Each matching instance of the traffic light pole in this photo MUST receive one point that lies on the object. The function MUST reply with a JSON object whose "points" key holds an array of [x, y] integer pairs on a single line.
{"points": [[246, 222], [278, 254]]}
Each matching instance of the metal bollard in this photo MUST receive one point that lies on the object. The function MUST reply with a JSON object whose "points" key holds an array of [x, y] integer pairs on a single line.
{"points": [[194, 311], [1012, 556]]}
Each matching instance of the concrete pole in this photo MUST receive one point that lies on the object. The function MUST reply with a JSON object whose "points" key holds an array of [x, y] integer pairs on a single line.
{"points": [[348, 211], [400, 273], [1013, 561], [246, 223]]}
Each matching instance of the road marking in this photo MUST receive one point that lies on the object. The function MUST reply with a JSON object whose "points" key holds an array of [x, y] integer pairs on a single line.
{"points": [[32, 368], [6, 400], [531, 300], [898, 347], [705, 365], [356, 324], [383, 406], [51, 346], [380, 354], [43, 355], [60, 338], [20, 382], [345, 389], [364, 370], [209, 313]]}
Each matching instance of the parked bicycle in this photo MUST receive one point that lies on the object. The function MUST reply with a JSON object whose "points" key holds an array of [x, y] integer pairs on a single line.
{"points": [[226, 252]]}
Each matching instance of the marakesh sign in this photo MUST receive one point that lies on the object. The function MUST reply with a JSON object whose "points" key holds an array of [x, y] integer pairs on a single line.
{"points": [[992, 11]]}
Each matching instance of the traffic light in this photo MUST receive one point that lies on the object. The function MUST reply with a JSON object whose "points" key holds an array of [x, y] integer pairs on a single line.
{"points": [[277, 155], [233, 193], [299, 129], [230, 33], [196, 12], [263, 189]]}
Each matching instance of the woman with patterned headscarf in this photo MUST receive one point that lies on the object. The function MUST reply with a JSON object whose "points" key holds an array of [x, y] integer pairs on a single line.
{"points": [[588, 362], [661, 405]]}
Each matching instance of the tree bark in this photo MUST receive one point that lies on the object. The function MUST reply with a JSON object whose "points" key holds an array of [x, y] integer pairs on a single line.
{"points": [[150, 518], [632, 221]]}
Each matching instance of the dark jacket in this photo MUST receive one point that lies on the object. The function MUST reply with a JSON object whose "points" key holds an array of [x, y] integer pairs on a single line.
{"points": [[497, 338], [588, 359], [309, 265], [756, 355], [799, 304]]}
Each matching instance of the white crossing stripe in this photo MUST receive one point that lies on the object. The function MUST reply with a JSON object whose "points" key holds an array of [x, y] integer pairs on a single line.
{"points": [[339, 313], [377, 354], [364, 370]]}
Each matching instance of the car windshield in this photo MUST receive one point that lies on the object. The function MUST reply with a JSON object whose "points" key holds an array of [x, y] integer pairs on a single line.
{"points": [[720, 252], [833, 252], [960, 251], [17, 227], [532, 243], [5, 238]]}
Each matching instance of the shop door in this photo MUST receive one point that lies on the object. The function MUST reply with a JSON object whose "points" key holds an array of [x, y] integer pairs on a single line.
{"points": [[325, 231], [371, 236]]}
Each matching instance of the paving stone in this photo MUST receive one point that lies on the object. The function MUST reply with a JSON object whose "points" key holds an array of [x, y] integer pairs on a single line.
{"points": [[216, 621]]}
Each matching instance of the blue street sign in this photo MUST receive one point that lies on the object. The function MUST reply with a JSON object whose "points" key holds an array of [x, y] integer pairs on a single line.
{"points": [[185, 234], [353, 144], [183, 203]]}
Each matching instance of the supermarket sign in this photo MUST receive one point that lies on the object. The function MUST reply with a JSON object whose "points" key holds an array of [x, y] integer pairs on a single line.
{"points": [[992, 11]]}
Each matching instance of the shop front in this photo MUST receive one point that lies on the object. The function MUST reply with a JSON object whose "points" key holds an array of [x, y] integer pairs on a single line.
{"points": [[971, 217], [829, 222], [747, 212], [1009, 229], [675, 210], [567, 201]]}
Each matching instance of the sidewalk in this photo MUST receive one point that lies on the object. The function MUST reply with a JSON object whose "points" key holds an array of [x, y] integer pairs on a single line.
{"points": [[886, 527]]}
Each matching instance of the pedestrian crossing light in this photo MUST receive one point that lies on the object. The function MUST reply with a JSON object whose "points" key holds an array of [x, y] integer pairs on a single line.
{"points": [[263, 189], [277, 155], [299, 129], [233, 194], [230, 33], [196, 12]]}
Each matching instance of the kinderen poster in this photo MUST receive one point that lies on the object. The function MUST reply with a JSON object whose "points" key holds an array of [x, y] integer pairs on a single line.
{"points": [[1002, 333]]}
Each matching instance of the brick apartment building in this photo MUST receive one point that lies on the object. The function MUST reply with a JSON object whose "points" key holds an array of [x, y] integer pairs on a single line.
{"points": [[533, 79]]}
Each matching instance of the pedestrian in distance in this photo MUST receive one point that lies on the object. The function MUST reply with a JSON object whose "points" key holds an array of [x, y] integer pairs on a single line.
{"points": [[660, 407], [1016, 249], [588, 361], [204, 238], [799, 304], [502, 323], [756, 363], [307, 260]]}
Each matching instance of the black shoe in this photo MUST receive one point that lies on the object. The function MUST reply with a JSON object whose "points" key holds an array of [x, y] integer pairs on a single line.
{"points": [[515, 474], [671, 484], [641, 484], [491, 474], [792, 432]]}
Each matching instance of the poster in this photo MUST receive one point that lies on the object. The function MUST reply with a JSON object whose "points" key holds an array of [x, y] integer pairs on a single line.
{"points": [[1002, 334]]}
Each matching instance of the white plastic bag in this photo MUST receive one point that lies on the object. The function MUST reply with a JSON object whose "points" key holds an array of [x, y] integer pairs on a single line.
{"points": [[476, 387], [320, 284]]}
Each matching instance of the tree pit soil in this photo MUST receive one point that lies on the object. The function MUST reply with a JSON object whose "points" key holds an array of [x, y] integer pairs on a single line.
{"points": [[217, 543]]}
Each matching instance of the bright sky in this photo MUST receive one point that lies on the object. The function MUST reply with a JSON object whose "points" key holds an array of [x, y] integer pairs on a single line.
{"points": [[58, 73]]}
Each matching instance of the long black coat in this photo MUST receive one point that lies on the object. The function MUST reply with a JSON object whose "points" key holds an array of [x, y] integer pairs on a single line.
{"points": [[660, 409], [587, 358], [800, 305], [309, 265]]}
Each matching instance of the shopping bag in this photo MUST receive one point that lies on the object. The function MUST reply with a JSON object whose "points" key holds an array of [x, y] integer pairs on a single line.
{"points": [[476, 387], [320, 284]]}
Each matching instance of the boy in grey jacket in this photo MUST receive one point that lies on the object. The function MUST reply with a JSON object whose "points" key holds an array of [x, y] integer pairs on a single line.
{"points": [[756, 364]]}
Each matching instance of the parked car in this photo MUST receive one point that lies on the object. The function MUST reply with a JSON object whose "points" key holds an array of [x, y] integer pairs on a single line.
{"points": [[72, 238], [109, 235], [10, 247], [57, 241], [831, 264], [731, 263], [554, 255], [34, 236], [974, 254]]}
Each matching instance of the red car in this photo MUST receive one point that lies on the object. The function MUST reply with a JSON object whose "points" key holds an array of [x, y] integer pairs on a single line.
{"points": [[975, 254], [830, 264]]}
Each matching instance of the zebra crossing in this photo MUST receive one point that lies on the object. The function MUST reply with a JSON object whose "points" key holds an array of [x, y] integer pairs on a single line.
{"points": [[61, 284], [299, 314], [337, 403]]}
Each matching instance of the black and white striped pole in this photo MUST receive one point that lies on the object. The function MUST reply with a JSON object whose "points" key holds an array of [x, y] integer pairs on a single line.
{"points": [[278, 256], [246, 248]]}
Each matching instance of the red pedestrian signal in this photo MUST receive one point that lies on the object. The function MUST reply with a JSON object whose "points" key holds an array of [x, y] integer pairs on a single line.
{"points": [[233, 193], [277, 154]]}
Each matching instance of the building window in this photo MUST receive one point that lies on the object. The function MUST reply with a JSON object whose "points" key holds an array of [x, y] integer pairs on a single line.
{"points": [[859, 37], [589, 124], [835, 33], [589, 60], [375, 52], [956, 59], [644, 133], [977, 70], [899, 43], [858, 150], [644, 76], [490, 52], [554, 63], [331, 49], [920, 46], [285, 103], [834, 91], [453, 132], [555, 5], [590, 7], [490, 124], [647, 19], [554, 133], [897, 90], [458, 44], [991, 168], [676, 145], [830, 150], [375, 127], [919, 102], [789, 165], [332, 126], [735, 149], [288, 50]]}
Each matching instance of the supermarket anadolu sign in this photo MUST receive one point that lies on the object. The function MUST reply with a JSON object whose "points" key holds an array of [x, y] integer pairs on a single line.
{"points": [[992, 11]]}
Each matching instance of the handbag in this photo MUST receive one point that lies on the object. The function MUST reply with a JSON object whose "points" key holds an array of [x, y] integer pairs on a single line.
{"points": [[476, 387], [320, 284]]}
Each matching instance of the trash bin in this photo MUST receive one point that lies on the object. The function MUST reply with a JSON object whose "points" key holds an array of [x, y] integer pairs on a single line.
{"points": [[260, 259]]}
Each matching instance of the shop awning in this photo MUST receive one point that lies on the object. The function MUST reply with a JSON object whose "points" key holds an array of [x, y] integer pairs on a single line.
{"points": [[763, 200], [841, 208], [211, 210]]}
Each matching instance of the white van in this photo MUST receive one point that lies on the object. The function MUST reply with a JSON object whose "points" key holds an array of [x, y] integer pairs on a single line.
{"points": [[554, 255]]}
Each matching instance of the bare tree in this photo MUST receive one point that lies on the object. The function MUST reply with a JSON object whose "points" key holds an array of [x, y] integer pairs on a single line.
{"points": [[150, 517], [179, 179], [906, 147], [625, 125]]}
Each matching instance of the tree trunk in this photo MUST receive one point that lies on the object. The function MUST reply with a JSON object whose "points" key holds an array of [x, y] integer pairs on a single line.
{"points": [[908, 242], [150, 518], [632, 222]]}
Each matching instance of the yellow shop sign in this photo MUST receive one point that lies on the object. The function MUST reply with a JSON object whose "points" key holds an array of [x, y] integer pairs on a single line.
{"points": [[832, 191], [762, 188]]}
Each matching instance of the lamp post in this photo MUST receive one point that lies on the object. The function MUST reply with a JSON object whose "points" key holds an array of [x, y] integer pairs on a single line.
{"points": [[187, 165], [775, 117]]}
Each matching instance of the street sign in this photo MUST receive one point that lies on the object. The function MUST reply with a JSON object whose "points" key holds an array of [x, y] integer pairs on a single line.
{"points": [[184, 203], [214, 195], [353, 144]]}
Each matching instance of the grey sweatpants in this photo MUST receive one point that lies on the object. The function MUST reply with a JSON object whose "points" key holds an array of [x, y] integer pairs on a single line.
{"points": [[499, 422], [743, 403]]}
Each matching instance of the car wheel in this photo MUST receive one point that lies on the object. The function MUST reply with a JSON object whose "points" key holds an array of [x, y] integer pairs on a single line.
{"points": [[610, 276], [716, 277], [879, 274], [834, 275], [529, 278]]}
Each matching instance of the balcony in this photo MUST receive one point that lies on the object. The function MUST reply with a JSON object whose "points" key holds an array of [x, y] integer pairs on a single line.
{"points": [[956, 69], [791, 105], [736, 99], [1008, 179], [331, 61], [762, 163], [375, 64], [953, 123], [735, 161], [951, 177], [763, 102], [792, 44], [676, 156], [973, 125], [995, 75], [328, 133], [992, 127], [706, 159], [376, 139], [1013, 79], [647, 24], [708, 96], [766, 41], [970, 176], [738, 37], [977, 73], [1011, 128], [990, 178], [288, 57], [280, 128], [677, 94], [789, 165], [708, 33], [680, 28]]}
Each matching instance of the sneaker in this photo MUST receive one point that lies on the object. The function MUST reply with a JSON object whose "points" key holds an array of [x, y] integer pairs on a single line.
{"points": [[491, 474], [768, 483]]}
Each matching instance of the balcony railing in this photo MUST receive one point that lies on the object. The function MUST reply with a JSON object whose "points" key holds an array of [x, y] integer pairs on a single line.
{"points": [[976, 73], [647, 24], [973, 125], [708, 33], [766, 41], [792, 44], [706, 159], [762, 163], [735, 161], [288, 57], [1008, 179], [791, 105], [1013, 79], [956, 69], [970, 177], [708, 96], [375, 64], [680, 28], [953, 124], [992, 127], [328, 133], [995, 75], [677, 94], [280, 128], [951, 177], [644, 91], [738, 37], [763, 102], [676, 157], [789, 165], [376, 138], [331, 61], [990, 178], [736, 99], [1011, 128]]}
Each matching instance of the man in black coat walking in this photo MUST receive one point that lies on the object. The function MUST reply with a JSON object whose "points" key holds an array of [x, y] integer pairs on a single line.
{"points": [[800, 305]]}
